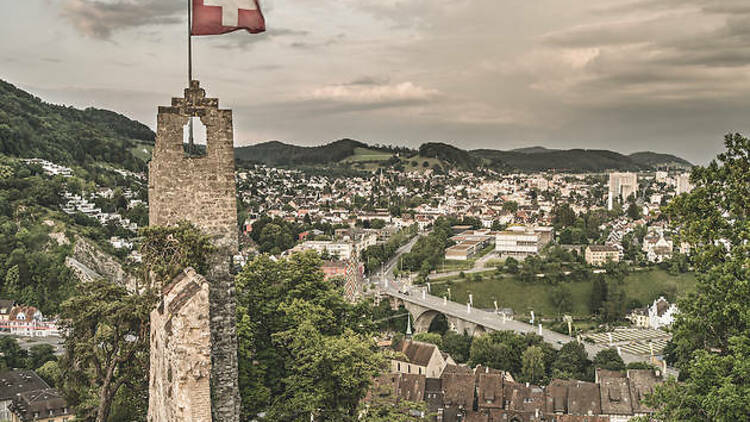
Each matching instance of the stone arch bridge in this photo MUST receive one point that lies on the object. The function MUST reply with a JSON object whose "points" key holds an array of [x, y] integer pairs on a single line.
{"points": [[424, 308]]}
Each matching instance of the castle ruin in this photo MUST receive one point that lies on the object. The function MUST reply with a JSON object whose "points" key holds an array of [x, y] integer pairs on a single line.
{"points": [[187, 365]]}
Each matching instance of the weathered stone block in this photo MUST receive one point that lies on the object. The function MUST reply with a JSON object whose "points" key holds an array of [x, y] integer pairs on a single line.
{"points": [[180, 373]]}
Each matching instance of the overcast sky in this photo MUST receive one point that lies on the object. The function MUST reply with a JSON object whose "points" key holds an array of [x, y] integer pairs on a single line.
{"points": [[628, 75]]}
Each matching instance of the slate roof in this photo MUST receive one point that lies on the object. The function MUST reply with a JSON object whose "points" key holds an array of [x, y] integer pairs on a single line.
{"points": [[458, 390], [16, 382], [490, 391], [583, 398], [411, 387], [417, 352], [40, 404], [614, 393], [642, 382]]}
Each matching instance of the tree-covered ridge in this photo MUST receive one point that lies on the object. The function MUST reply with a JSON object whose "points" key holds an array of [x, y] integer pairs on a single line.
{"points": [[339, 153], [36, 235], [653, 159], [277, 153], [450, 154], [32, 128]]}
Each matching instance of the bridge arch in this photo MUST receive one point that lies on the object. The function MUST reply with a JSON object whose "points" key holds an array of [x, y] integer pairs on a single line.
{"points": [[423, 321]]}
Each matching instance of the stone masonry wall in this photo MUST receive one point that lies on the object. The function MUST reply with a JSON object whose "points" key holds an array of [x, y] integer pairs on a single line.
{"points": [[202, 190], [180, 389]]}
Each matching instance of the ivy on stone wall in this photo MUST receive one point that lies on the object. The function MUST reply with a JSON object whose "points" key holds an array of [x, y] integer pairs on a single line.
{"points": [[167, 251]]}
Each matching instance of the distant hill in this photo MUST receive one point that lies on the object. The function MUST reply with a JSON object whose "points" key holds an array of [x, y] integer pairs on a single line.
{"points": [[30, 127], [276, 153], [577, 160], [350, 152], [449, 154], [535, 150], [655, 160]]}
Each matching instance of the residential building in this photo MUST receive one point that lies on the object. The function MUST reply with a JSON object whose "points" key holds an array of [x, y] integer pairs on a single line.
{"points": [[28, 321], [421, 359], [622, 186], [683, 184], [657, 248], [6, 306], [661, 313], [340, 250], [22, 390], [461, 394], [46, 405], [599, 255]]}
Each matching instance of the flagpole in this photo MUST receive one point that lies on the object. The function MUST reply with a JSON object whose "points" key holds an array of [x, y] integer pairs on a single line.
{"points": [[190, 67], [190, 42]]}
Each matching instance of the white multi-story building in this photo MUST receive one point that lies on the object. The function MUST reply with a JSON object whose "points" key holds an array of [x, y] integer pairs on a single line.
{"points": [[521, 241], [622, 185], [683, 184], [340, 250]]}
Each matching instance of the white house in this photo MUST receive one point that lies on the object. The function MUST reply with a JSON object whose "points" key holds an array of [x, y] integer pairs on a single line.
{"points": [[661, 313]]}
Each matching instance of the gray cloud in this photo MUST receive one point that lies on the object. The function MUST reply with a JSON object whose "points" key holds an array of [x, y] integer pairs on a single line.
{"points": [[672, 75], [241, 40], [99, 19]]}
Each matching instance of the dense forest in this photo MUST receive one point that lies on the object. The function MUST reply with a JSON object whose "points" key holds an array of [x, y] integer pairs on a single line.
{"points": [[31, 128]]}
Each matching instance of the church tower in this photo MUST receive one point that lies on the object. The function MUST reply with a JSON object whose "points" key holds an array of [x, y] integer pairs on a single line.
{"points": [[200, 190]]}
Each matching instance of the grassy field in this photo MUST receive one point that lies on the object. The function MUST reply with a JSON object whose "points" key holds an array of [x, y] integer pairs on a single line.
{"points": [[523, 297], [365, 155], [142, 151], [409, 163]]}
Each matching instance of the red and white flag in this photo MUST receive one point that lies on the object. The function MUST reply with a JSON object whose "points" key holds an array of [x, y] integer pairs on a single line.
{"points": [[214, 17]]}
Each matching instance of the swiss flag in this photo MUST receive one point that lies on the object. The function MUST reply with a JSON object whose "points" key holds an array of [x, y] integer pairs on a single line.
{"points": [[214, 17]]}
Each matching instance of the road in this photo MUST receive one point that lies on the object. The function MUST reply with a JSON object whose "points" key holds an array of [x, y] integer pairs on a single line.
{"points": [[27, 343], [477, 268], [492, 321], [391, 264]]}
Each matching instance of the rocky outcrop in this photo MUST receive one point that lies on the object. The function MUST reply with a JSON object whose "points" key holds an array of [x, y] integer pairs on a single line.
{"points": [[89, 263]]}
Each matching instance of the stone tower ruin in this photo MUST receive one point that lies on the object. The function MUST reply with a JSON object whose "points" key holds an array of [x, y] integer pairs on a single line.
{"points": [[200, 190]]}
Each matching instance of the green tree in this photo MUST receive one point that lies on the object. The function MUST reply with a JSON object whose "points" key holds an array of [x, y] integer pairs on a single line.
{"points": [[634, 211], [303, 349], [458, 346], [711, 340], [564, 216], [499, 350], [572, 362], [328, 375], [533, 364], [512, 265], [106, 347], [383, 406], [41, 354], [715, 390], [12, 281], [598, 294], [562, 298], [51, 374], [167, 251], [11, 354], [609, 359], [432, 338]]}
